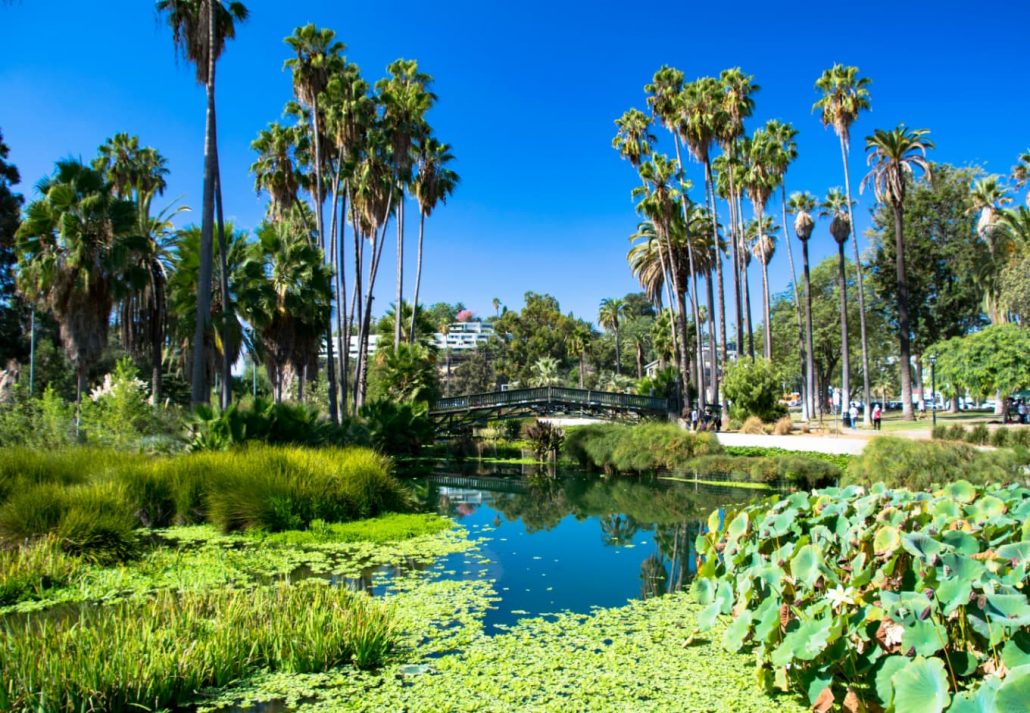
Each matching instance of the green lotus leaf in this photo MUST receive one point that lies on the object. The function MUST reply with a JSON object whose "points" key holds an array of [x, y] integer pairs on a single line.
{"points": [[962, 542], [945, 510], [953, 593], [887, 668], [704, 590], [1008, 609], [921, 687], [767, 619], [980, 700], [962, 663], [887, 540], [960, 490], [1013, 695], [922, 636], [707, 617], [1018, 552], [805, 566], [1016, 651], [987, 507], [805, 642], [922, 546], [736, 633], [738, 526], [714, 520]]}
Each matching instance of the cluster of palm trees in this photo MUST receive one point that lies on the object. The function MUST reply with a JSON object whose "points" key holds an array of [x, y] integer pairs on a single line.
{"points": [[90, 243], [681, 241]]}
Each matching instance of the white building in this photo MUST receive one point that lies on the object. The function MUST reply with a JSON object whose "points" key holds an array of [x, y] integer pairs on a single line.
{"points": [[464, 336]]}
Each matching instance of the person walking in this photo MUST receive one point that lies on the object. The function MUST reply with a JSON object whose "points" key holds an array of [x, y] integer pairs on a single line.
{"points": [[877, 415], [853, 416]]}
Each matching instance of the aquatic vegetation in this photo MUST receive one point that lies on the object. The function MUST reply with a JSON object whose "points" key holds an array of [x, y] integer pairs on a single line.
{"points": [[902, 462], [787, 469], [639, 657], [158, 652], [909, 600], [31, 570], [385, 528], [840, 460], [618, 448]]}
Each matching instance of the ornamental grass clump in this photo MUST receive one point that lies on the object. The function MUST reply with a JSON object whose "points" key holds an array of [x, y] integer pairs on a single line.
{"points": [[901, 462], [617, 448], [30, 569], [160, 652], [910, 601]]}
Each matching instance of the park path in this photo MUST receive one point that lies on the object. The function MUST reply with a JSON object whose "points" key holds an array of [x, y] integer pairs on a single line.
{"points": [[837, 445]]}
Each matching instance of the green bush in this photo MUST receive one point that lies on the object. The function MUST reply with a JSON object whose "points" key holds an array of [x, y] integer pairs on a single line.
{"points": [[639, 448], [900, 600], [267, 422], [901, 462], [397, 429], [1021, 437], [978, 434], [753, 388], [999, 437], [788, 469], [158, 652], [29, 570]]}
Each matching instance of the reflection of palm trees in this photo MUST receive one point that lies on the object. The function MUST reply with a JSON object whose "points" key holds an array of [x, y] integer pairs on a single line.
{"points": [[653, 578], [618, 529]]}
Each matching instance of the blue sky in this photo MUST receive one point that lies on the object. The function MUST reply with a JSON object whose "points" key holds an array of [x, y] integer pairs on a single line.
{"points": [[528, 95]]}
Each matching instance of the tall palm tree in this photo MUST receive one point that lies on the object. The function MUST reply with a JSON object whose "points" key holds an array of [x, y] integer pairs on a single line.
{"points": [[845, 96], [406, 99], [496, 302], [801, 206], [139, 174], [989, 197], [665, 94], [610, 316], [579, 345], [835, 207], [759, 182], [893, 157], [762, 236], [317, 56], [72, 249], [200, 29], [434, 183], [738, 104], [784, 152], [701, 119]]}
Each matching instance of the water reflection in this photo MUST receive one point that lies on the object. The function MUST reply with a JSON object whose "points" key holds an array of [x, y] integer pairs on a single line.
{"points": [[573, 543]]}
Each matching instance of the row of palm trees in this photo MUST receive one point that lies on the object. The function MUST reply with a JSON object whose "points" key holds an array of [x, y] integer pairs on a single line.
{"points": [[361, 148], [680, 241]]}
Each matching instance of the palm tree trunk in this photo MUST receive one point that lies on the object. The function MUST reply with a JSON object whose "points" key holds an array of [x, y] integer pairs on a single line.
{"points": [[199, 392], [618, 350], [693, 280], [342, 325], [765, 284], [805, 413], [867, 419], [713, 377], [735, 234], [418, 276], [666, 279], [398, 312], [157, 329], [226, 393], [744, 281], [640, 360], [845, 353], [721, 292], [357, 305], [373, 272], [582, 368], [809, 354], [903, 319]]}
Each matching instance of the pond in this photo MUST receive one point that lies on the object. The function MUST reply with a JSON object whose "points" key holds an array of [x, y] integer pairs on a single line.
{"points": [[574, 543]]}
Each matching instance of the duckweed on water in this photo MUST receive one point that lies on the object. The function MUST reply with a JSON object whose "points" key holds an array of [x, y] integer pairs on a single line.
{"points": [[639, 657]]}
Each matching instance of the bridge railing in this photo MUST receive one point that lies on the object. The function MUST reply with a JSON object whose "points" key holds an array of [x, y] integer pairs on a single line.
{"points": [[550, 394]]}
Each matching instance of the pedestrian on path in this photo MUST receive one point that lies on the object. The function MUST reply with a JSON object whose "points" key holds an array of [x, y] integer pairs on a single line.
{"points": [[877, 415]]}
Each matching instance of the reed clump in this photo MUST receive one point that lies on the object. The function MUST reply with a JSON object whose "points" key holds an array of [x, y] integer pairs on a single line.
{"points": [[159, 652]]}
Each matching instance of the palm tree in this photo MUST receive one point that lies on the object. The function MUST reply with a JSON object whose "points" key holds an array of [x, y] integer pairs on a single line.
{"points": [[579, 345], [762, 236], [801, 206], [1021, 173], [845, 96], [835, 207], [545, 372], [785, 151], [317, 57], [138, 174], [989, 197], [281, 151], [285, 291], [433, 183], [609, 316], [893, 157], [759, 182], [496, 302], [634, 139], [406, 99], [200, 29], [71, 251]]}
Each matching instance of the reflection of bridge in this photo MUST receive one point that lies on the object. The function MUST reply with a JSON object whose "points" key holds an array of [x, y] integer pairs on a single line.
{"points": [[479, 483], [459, 411]]}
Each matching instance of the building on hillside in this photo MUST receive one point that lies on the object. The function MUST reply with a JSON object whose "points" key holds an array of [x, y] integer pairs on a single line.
{"points": [[464, 336]]}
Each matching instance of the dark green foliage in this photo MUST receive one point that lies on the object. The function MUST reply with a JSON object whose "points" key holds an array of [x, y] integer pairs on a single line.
{"points": [[901, 600], [839, 460], [753, 388], [637, 449], [978, 434], [397, 429], [546, 439], [29, 570], [782, 469], [901, 462], [406, 374], [999, 437], [268, 422], [13, 309]]}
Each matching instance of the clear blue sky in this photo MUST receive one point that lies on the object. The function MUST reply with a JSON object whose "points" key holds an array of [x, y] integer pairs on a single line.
{"points": [[528, 93]]}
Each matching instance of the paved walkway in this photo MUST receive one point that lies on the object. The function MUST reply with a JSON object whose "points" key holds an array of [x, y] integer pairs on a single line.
{"points": [[848, 445]]}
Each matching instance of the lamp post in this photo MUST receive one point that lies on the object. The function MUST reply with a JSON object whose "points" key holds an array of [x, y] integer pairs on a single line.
{"points": [[933, 386]]}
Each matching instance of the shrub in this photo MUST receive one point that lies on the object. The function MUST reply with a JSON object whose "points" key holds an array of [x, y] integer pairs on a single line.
{"points": [[545, 438], [1021, 437], [638, 448], [956, 432], [939, 433], [897, 600], [156, 653], [978, 434], [753, 388], [783, 427], [787, 469], [268, 422], [753, 425], [999, 437], [397, 429], [592, 446], [900, 462]]}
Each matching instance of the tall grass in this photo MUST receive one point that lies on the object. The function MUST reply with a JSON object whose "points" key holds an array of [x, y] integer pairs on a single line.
{"points": [[29, 570], [638, 448], [161, 651], [900, 462]]}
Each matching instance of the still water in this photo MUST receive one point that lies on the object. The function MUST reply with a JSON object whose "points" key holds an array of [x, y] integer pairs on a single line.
{"points": [[575, 543]]}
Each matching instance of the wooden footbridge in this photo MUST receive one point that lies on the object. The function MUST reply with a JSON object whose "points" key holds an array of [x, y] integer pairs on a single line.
{"points": [[462, 412]]}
